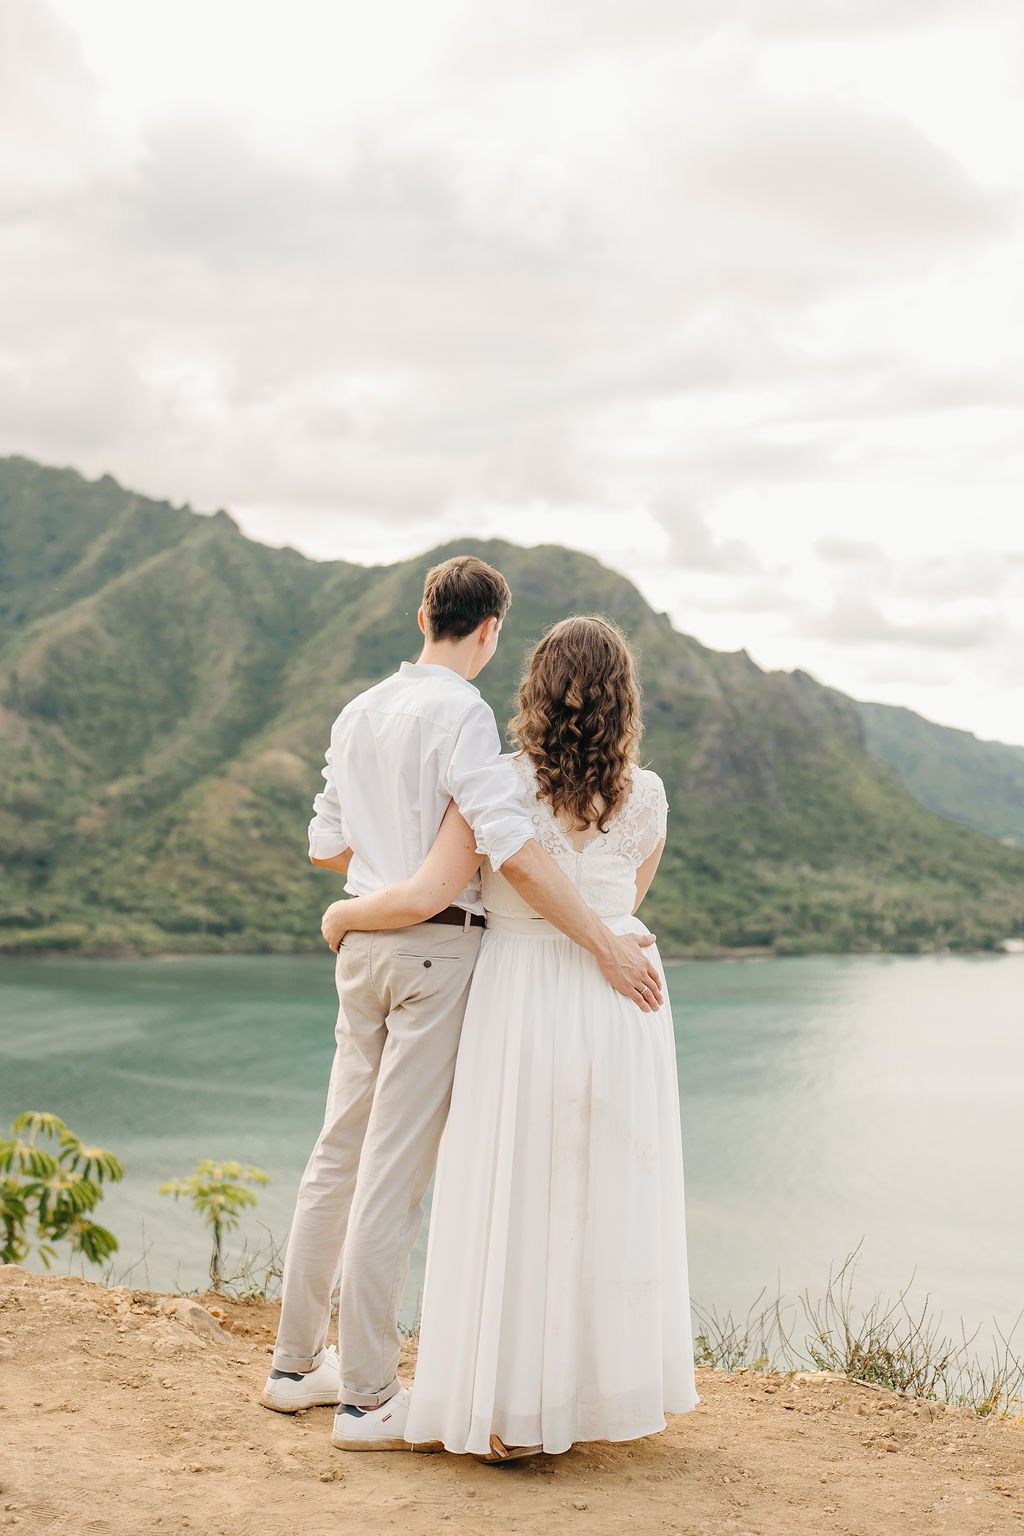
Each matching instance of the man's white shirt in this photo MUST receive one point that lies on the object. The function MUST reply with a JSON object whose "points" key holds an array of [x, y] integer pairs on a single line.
{"points": [[399, 753]]}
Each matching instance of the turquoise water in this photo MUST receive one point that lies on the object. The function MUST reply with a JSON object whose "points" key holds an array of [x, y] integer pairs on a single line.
{"points": [[825, 1101]]}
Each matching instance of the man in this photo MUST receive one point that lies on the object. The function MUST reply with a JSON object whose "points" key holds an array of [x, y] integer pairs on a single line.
{"points": [[399, 753]]}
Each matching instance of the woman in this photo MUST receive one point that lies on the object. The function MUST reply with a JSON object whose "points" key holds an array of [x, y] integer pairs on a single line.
{"points": [[556, 1302]]}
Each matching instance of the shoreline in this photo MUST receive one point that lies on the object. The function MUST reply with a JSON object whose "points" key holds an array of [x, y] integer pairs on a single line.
{"points": [[698, 953]]}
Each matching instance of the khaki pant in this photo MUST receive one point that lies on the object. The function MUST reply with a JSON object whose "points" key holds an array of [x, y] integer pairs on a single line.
{"points": [[402, 997]]}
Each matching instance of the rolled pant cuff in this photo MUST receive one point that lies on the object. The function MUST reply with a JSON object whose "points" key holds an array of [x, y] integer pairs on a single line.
{"points": [[294, 1363], [369, 1399]]}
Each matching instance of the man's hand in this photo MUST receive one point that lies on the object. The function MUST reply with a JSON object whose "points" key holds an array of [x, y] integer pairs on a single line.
{"points": [[626, 969], [333, 925], [549, 891]]}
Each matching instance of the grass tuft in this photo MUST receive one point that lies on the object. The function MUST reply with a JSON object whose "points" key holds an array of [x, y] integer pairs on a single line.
{"points": [[889, 1345]]}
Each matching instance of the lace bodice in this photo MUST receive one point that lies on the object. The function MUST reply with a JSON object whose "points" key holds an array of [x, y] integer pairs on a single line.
{"points": [[604, 869]]}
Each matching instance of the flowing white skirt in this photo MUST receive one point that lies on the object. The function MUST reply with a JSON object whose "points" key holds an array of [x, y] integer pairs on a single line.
{"points": [[556, 1303]]}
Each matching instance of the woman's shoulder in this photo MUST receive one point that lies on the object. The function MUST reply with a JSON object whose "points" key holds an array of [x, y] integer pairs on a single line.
{"points": [[526, 772], [647, 782], [647, 799], [520, 762]]}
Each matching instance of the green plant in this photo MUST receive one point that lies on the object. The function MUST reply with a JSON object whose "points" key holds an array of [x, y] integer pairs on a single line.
{"points": [[219, 1194], [886, 1345], [52, 1190], [728, 1344]]}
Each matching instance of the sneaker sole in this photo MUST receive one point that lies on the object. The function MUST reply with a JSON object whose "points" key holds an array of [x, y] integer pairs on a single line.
{"points": [[313, 1402], [421, 1447]]}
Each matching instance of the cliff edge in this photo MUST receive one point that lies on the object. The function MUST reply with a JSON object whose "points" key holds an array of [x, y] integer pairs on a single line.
{"points": [[124, 1412]]}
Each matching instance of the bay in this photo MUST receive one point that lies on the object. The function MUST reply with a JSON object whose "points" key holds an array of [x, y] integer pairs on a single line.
{"points": [[827, 1101]]}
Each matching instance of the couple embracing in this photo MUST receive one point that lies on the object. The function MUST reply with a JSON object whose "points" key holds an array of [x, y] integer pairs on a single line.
{"points": [[490, 939]]}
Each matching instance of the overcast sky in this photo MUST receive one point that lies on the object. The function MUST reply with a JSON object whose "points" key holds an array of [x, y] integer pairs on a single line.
{"points": [[728, 294]]}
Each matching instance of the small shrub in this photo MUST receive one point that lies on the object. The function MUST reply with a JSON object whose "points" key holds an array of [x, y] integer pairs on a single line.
{"points": [[888, 1345], [219, 1193], [52, 1191]]}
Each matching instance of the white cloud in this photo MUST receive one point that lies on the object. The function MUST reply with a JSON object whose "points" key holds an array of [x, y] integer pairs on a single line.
{"points": [[683, 286]]}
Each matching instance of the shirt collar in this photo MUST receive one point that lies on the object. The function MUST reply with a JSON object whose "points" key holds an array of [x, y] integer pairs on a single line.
{"points": [[418, 669]]}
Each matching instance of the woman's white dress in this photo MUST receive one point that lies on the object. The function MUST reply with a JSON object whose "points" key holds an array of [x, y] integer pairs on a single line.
{"points": [[556, 1305]]}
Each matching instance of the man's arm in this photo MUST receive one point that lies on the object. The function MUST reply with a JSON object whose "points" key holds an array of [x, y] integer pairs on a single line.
{"points": [[486, 788], [328, 844], [550, 892]]}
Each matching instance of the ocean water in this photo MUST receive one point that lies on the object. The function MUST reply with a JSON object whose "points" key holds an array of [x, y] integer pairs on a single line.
{"points": [[827, 1102]]}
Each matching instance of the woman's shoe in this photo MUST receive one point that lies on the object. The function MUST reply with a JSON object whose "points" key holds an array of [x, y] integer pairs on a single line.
{"points": [[502, 1452]]}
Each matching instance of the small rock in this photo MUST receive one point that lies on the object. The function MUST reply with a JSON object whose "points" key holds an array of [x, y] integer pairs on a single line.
{"points": [[578, 1504], [193, 1316]]}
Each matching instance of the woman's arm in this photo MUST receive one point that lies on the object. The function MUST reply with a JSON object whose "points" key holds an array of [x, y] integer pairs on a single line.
{"points": [[646, 872], [450, 863]]}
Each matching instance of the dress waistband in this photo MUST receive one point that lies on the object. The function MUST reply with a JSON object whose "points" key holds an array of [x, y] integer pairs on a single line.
{"points": [[540, 928]]}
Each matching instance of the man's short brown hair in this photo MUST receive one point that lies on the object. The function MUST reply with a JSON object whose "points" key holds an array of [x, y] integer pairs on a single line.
{"points": [[460, 594]]}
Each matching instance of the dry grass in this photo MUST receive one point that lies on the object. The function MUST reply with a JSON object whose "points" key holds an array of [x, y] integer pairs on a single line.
{"points": [[888, 1345]]}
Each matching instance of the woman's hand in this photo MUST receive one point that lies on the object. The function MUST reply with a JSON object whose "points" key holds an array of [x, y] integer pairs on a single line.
{"points": [[334, 924], [448, 866]]}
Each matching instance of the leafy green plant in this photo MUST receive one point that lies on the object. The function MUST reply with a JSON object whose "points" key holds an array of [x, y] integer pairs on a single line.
{"points": [[219, 1194], [52, 1191]]}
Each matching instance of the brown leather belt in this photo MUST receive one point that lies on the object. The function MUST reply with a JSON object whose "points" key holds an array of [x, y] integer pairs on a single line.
{"points": [[457, 917]]}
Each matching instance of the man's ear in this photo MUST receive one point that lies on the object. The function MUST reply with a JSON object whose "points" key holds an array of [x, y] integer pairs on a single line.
{"points": [[488, 629], [421, 621]]}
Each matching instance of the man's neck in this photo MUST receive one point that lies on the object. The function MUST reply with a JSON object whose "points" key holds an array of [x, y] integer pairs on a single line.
{"points": [[457, 656]]}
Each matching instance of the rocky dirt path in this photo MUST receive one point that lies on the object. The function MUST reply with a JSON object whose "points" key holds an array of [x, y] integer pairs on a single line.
{"points": [[124, 1412]]}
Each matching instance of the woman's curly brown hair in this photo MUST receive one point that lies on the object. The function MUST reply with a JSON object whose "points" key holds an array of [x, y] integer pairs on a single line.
{"points": [[579, 719]]}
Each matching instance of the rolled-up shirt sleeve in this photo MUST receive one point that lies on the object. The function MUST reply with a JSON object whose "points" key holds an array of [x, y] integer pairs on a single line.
{"points": [[326, 830], [486, 787]]}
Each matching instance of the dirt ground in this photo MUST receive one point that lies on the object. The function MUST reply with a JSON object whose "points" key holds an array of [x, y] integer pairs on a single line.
{"points": [[127, 1412]]}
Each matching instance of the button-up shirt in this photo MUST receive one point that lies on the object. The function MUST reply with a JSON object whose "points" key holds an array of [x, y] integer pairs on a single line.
{"points": [[399, 753]]}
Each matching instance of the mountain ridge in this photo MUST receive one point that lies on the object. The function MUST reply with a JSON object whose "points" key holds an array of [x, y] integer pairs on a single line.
{"points": [[954, 772], [168, 687]]}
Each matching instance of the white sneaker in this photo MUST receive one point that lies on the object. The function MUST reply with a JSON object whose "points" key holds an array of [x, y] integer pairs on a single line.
{"points": [[378, 1429], [286, 1395]]}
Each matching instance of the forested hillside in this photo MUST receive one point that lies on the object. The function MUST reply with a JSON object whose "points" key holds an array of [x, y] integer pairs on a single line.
{"points": [[977, 782], [167, 688]]}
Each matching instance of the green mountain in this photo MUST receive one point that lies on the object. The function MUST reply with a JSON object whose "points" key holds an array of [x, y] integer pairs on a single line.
{"points": [[980, 783], [166, 694]]}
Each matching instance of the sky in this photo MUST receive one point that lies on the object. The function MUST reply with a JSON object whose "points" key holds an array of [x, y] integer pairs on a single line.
{"points": [[727, 294]]}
